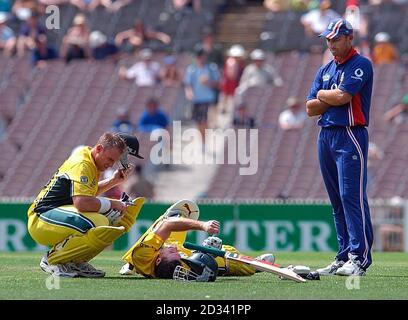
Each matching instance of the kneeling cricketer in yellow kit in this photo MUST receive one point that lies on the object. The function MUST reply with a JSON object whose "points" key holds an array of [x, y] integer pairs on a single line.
{"points": [[68, 216], [149, 252]]}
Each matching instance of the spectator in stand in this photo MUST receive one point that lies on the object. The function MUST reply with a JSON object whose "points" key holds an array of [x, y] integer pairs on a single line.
{"points": [[101, 48], [315, 22], [7, 38], [276, 5], [294, 116], [153, 117], [398, 113], [169, 74], [257, 74], [356, 18], [42, 52], [22, 9], [300, 5], [201, 81], [113, 6], [122, 122], [213, 50], [241, 118], [231, 75], [146, 73], [86, 5], [215, 55], [138, 36], [186, 5], [384, 51], [75, 44], [29, 31]]}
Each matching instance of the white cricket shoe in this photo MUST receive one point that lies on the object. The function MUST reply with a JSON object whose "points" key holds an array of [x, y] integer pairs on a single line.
{"points": [[331, 269], [267, 257], [183, 208], [86, 270], [60, 270], [127, 270], [351, 267]]}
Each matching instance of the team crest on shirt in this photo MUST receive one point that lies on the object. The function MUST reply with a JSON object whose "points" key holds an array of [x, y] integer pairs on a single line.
{"points": [[83, 179], [326, 77]]}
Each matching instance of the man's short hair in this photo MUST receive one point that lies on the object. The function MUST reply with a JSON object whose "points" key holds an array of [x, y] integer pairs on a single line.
{"points": [[165, 269], [152, 100], [110, 140]]}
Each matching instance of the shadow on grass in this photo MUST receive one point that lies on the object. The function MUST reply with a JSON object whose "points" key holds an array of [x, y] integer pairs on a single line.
{"points": [[124, 278]]}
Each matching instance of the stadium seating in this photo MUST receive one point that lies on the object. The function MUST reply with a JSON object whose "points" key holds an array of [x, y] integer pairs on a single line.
{"points": [[66, 104], [52, 110], [288, 164], [77, 102]]}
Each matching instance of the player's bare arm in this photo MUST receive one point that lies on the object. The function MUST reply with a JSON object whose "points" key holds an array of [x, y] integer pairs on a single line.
{"points": [[335, 97], [182, 224], [118, 177], [315, 107]]}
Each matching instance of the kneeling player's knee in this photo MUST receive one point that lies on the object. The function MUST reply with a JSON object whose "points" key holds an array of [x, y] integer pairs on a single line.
{"points": [[100, 220], [97, 219]]}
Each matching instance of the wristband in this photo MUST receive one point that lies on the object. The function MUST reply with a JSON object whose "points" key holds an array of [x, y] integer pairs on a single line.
{"points": [[105, 204]]}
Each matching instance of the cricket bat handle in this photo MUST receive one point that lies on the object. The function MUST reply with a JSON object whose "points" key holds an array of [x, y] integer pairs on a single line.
{"points": [[214, 251]]}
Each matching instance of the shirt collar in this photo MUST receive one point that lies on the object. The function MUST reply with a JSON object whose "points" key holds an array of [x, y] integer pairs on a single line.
{"points": [[351, 54]]}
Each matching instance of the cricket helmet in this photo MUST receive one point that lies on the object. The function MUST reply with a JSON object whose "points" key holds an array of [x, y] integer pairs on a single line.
{"points": [[200, 267], [132, 144]]}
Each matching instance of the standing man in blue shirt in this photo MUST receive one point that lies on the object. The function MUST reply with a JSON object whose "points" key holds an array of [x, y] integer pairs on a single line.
{"points": [[341, 95], [201, 82], [152, 118]]}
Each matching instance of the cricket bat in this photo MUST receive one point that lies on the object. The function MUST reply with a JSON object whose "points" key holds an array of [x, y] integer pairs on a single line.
{"points": [[257, 264]]}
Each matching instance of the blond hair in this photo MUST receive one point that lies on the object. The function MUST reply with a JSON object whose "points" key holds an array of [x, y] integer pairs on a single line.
{"points": [[110, 140]]}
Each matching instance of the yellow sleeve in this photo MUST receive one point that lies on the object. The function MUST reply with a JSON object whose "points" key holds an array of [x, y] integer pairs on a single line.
{"points": [[145, 253], [83, 178], [234, 268]]}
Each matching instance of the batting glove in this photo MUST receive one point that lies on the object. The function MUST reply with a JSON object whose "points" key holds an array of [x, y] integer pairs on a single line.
{"points": [[125, 198], [213, 242], [113, 216]]}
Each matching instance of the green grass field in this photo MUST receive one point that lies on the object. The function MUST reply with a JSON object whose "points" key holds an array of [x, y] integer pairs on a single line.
{"points": [[21, 278]]}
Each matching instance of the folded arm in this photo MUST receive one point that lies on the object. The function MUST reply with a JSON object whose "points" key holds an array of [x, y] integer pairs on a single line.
{"points": [[335, 97], [315, 107]]}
